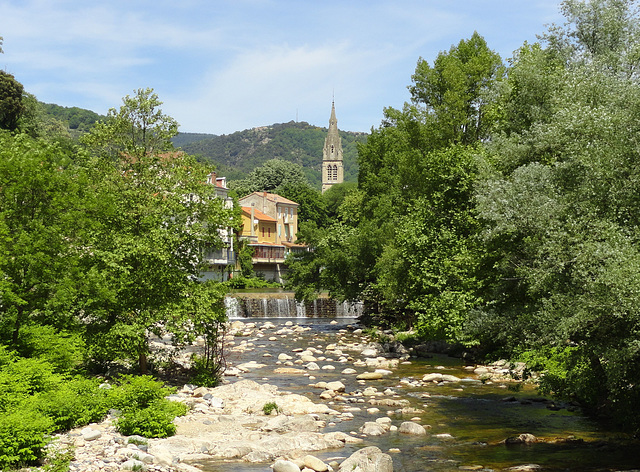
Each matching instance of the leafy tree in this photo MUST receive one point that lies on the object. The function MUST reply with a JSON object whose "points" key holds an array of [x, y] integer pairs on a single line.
{"points": [[335, 195], [312, 206], [11, 106], [153, 215], [560, 217], [40, 229], [456, 90], [268, 177]]}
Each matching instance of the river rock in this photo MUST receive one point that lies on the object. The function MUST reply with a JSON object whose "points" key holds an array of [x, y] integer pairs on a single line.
{"points": [[368, 459], [285, 466], [336, 386], [284, 357], [288, 370], [312, 366], [90, 434], [314, 463], [371, 428], [409, 427], [349, 371], [369, 352], [369, 376], [200, 392], [524, 438]]}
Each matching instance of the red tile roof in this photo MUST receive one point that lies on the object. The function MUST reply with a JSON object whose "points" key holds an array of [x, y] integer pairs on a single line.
{"points": [[257, 214]]}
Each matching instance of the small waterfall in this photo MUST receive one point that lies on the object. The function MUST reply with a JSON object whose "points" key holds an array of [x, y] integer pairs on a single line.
{"points": [[284, 305], [301, 312], [232, 307]]}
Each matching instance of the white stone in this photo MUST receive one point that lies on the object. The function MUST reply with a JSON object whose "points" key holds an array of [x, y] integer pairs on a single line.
{"points": [[285, 466], [409, 427]]}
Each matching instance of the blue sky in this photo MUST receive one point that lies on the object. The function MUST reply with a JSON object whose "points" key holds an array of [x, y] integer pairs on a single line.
{"points": [[225, 66]]}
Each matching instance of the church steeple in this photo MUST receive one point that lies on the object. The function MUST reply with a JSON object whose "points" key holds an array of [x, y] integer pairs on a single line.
{"points": [[332, 166]]}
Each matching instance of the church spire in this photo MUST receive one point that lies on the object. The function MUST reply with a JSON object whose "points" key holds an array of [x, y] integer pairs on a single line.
{"points": [[332, 166]]}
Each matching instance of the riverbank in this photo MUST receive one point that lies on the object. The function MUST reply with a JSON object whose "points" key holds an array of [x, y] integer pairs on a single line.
{"points": [[332, 393]]}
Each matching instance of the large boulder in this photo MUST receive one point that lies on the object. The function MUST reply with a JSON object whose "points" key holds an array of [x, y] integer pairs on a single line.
{"points": [[368, 459]]}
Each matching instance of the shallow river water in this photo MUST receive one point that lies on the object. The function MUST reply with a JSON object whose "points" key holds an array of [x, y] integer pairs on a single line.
{"points": [[468, 419]]}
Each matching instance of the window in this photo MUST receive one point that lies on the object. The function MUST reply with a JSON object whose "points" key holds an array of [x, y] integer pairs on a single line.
{"points": [[269, 232], [263, 231]]}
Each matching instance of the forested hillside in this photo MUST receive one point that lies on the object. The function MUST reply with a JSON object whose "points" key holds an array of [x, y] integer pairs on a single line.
{"points": [[73, 117], [236, 155]]}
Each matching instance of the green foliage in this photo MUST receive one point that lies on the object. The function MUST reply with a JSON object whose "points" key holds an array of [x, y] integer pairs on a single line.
{"points": [[145, 411], [39, 227], [271, 175], [76, 402], [240, 282], [456, 90], [11, 106], [270, 407], [244, 257], [203, 373], [23, 436], [152, 214], [154, 421], [136, 392], [64, 350], [73, 118]]}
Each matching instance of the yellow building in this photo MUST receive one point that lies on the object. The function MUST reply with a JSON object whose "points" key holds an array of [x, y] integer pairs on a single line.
{"points": [[269, 224]]}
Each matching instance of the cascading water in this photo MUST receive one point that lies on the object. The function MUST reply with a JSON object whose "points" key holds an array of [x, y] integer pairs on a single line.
{"points": [[284, 305]]}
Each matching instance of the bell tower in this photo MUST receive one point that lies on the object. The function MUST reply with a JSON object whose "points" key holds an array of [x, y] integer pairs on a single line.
{"points": [[332, 167]]}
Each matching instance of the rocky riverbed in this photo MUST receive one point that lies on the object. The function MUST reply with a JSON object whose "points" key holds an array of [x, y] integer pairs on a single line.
{"points": [[340, 405]]}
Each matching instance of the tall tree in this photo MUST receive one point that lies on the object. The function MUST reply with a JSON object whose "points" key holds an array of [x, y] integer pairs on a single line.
{"points": [[154, 214], [561, 217], [40, 221], [11, 106], [456, 90]]}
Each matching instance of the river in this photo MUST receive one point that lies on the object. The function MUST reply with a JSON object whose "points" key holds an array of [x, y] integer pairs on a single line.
{"points": [[468, 419]]}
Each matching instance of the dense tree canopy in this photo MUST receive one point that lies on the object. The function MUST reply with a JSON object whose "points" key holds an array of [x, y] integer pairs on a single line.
{"points": [[11, 106], [499, 209]]}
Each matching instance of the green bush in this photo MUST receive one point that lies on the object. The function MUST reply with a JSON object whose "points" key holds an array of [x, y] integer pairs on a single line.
{"points": [[77, 402], [137, 392], [269, 407], [154, 421], [21, 378], [23, 436]]}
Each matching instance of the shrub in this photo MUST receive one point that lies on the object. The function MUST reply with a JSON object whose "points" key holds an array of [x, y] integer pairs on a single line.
{"points": [[154, 421], [24, 377], [270, 407], [77, 402], [137, 392], [23, 436]]}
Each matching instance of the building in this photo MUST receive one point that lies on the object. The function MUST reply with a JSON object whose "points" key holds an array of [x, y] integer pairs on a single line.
{"points": [[219, 263], [332, 165], [269, 224]]}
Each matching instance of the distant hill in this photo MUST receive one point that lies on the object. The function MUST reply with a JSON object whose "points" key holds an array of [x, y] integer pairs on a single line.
{"points": [[74, 118], [237, 154]]}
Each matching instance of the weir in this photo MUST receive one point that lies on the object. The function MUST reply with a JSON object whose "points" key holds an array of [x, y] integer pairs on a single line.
{"points": [[284, 305]]}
